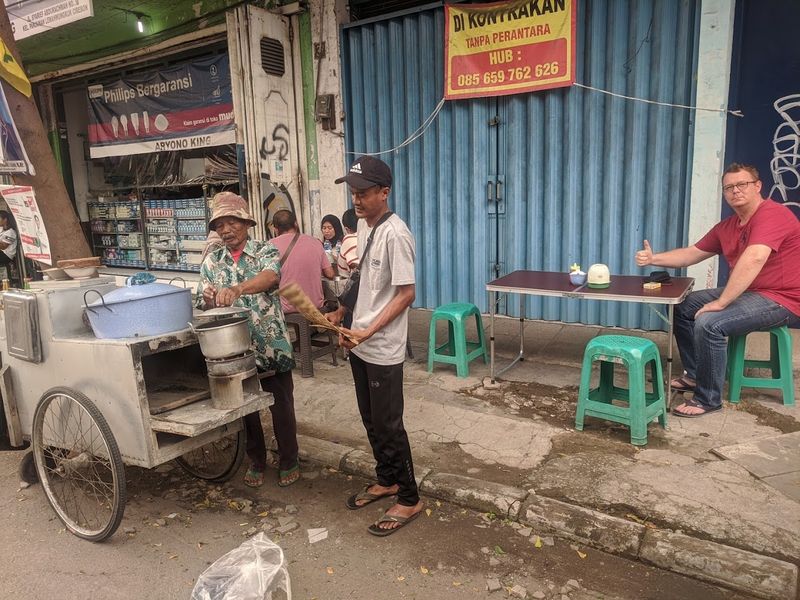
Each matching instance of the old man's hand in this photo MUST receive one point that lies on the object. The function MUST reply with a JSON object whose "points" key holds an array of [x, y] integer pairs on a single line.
{"points": [[227, 296], [209, 296]]}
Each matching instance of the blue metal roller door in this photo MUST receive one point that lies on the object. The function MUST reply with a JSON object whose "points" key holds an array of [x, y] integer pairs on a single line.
{"points": [[583, 176]]}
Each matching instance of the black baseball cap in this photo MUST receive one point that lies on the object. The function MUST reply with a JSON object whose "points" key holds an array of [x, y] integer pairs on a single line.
{"points": [[366, 172]]}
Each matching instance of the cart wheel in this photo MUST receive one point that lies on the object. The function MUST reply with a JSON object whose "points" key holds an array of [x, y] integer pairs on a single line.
{"points": [[217, 461], [79, 464]]}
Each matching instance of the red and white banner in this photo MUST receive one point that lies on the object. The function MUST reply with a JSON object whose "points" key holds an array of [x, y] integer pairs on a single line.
{"points": [[508, 47], [179, 108], [30, 227]]}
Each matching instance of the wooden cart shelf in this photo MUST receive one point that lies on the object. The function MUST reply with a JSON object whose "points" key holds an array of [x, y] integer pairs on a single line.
{"points": [[198, 417]]}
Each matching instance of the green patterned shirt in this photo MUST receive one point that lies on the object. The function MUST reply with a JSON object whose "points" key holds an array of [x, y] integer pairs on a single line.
{"points": [[267, 327]]}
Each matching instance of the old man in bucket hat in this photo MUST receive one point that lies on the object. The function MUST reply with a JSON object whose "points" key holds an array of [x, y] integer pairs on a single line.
{"points": [[245, 272]]}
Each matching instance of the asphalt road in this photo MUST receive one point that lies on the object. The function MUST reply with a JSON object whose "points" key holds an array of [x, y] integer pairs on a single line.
{"points": [[175, 526]]}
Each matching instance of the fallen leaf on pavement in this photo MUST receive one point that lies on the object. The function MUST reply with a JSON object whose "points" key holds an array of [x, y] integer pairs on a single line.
{"points": [[401, 578], [499, 550], [456, 583], [428, 511], [538, 542], [581, 554], [329, 570], [423, 570], [438, 503], [264, 514]]}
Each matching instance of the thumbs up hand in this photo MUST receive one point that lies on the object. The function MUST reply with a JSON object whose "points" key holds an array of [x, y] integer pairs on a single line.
{"points": [[644, 257]]}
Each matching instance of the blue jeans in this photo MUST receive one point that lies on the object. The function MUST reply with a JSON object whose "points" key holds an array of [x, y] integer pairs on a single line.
{"points": [[703, 343]]}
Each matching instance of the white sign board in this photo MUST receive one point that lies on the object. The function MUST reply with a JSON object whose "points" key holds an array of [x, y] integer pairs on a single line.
{"points": [[29, 17], [22, 203]]}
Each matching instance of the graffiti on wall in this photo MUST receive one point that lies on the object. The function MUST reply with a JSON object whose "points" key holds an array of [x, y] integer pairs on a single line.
{"points": [[278, 147], [785, 163]]}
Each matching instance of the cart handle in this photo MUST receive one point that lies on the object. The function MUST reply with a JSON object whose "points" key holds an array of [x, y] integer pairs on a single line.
{"points": [[86, 304], [182, 280]]}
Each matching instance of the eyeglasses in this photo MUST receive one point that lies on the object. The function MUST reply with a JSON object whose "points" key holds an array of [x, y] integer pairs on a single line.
{"points": [[741, 186]]}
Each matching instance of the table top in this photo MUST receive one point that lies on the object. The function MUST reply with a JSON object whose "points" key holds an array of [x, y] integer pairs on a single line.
{"points": [[624, 288]]}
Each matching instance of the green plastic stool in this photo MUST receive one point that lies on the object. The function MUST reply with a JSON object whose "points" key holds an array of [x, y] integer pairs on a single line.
{"points": [[634, 353], [779, 364], [456, 350]]}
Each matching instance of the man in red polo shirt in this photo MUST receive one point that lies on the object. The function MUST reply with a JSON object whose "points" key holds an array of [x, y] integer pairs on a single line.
{"points": [[761, 243]]}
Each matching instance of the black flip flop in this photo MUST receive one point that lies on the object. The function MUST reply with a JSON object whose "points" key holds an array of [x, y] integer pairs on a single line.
{"points": [[376, 529], [695, 404], [366, 497], [683, 385]]}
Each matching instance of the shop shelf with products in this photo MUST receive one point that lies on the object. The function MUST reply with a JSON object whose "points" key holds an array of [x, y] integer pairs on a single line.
{"points": [[176, 232], [116, 227]]}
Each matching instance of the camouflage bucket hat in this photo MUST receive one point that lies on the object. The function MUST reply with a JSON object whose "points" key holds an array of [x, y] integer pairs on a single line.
{"points": [[228, 204]]}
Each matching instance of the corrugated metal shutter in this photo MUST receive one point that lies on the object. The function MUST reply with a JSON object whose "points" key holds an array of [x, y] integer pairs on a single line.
{"points": [[584, 176]]}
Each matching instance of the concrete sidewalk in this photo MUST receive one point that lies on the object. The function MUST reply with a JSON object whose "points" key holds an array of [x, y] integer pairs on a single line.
{"points": [[512, 450]]}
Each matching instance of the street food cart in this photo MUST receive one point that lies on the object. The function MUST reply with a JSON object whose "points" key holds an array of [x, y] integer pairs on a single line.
{"points": [[90, 406]]}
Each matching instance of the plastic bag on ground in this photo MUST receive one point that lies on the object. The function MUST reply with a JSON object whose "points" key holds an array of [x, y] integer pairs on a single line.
{"points": [[254, 571]]}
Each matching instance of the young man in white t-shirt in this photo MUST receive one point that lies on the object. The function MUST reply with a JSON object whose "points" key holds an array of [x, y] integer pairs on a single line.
{"points": [[380, 326]]}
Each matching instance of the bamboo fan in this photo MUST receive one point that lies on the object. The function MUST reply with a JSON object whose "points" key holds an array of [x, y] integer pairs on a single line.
{"points": [[297, 297]]}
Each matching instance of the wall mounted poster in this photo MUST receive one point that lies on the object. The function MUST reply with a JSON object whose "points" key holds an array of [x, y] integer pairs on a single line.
{"points": [[177, 108], [30, 227], [13, 158], [508, 47]]}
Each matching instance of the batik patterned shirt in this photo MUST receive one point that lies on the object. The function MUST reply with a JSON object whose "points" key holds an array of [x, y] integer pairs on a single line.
{"points": [[267, 326]]}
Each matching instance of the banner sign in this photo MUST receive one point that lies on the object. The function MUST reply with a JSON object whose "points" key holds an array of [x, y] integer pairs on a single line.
{"points": [[508, 47], [22, 204], [12, 72], [13, 158], [29, 17], [178, 108]]}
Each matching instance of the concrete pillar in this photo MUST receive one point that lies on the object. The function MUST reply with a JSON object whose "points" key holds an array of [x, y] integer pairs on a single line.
{"points": [[320, 74], [713, 80]]}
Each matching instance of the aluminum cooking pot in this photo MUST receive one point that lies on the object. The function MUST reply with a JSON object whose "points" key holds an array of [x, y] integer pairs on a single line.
{"points": [[139, 310], [223, 338]]}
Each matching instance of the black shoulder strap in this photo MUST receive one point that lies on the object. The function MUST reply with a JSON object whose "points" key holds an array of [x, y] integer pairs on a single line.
{"points": [[289, 249], [372, 233]]}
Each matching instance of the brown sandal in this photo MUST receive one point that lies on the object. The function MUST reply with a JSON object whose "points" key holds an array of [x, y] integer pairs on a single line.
{"points": [[366, 497], [376, 529]]}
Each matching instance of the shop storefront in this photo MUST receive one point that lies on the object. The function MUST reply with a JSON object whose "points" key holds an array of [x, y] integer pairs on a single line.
{"points": [[145, 146], [161, 143]]}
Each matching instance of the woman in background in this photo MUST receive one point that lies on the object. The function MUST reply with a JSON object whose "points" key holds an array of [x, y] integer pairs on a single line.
{"points": [[8, 239], [332, 230]]}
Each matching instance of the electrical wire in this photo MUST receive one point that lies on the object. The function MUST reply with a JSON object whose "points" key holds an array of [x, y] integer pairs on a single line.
{"points": [[429, 120], [410, 139], [735, 113]]}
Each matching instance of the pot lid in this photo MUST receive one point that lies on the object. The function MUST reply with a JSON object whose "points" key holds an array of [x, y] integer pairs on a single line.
{"points": [[137, 292], [224, 311]]}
